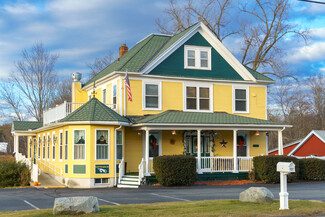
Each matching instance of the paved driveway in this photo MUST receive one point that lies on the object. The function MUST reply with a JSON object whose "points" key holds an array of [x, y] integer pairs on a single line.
{"points": [[32, 198]]}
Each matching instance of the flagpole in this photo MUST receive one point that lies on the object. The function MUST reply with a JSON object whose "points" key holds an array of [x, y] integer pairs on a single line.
{"points": [[125, 94]]}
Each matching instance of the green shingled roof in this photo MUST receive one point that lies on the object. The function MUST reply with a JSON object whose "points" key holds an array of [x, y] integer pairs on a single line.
{"points": [[146, 51], [180, 117], [26, 125], [94, 110]]}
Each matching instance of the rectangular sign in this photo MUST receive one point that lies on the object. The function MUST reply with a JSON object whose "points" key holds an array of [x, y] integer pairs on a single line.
{"points": [[102, 169]]}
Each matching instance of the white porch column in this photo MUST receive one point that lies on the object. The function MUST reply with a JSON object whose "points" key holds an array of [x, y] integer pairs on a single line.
{"points": [[16, 143], [199, 152], [235, 151], [280, 142], [147, 153]]}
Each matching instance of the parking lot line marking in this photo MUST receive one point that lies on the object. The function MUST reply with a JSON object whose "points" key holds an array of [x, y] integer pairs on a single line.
{"points": [[32, 205], [117, 204], [169, 197]]}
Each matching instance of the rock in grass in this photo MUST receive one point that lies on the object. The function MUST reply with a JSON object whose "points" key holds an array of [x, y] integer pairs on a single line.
{"points": [[256, 194], [75, 205]]}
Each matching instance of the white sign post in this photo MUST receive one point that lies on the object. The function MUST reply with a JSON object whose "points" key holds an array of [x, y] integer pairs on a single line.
{"points": [[284, 168]]}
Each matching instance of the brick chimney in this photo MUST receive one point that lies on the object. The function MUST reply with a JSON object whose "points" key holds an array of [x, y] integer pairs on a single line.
{"points": [[123, 50]]}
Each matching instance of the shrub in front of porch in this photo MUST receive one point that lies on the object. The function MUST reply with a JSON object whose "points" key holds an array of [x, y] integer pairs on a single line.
{"points": [[14, 174], [175, 170], [312, 169], [265, 168]]}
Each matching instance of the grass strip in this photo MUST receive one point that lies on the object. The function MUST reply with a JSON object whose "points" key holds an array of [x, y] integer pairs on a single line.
{"points": [[196, 208]]}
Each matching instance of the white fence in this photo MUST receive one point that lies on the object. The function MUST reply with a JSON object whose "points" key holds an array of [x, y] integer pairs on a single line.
{"points": [[219, 164], [50, 168], [61, 111]]}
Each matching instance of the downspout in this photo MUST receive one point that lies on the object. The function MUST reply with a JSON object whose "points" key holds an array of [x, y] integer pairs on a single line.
{"points": [[120, 127]]}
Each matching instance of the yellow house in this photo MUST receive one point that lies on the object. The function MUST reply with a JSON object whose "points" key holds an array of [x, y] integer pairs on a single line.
{"points": [[168, 95]]}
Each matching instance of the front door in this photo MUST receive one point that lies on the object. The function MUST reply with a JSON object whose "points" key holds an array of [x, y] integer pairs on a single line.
{"points": [[205, 150], [242, 145]]}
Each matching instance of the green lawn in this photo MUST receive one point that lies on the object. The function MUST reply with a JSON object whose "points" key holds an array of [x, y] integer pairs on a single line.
{"points": [[197, 208]]}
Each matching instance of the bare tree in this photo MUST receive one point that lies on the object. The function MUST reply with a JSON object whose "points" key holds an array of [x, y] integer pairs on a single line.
{"points": [[12, 100], [101, 63], [261, 39], [62, 93], [212, 13], [35, 79], [317, 85]]}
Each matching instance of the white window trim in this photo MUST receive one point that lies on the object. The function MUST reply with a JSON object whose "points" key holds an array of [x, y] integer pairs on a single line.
{"points": [[66, 146], [53, 144], [210, 86], [234, 100], [144, 83], [48, 146], [85, 145], [105, 96], [39, 148], [108, 144], [197, 50], [116, 144], [60, 159], [43, 146], [112, 95]]}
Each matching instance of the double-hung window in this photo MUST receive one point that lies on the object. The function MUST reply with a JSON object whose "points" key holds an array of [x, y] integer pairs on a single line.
{"points": [[102, 145], [152, 96], [114, 98], [79, 146], [241, 103], [66, 146], [44, 141], [198, 98], [61, 145], [39, 147], [119, 144], [197, 57], [48, 146], [53, 145]]}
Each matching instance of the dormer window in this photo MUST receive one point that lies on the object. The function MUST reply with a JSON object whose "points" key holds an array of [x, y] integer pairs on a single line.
{"points": [[197, 57]]}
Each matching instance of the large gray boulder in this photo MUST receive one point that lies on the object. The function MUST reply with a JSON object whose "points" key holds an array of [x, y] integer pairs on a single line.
{"points": [[256, 194], [75, 205]]}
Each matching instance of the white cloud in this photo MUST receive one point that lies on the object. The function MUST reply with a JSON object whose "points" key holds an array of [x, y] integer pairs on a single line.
{"points": [[318, 32], [313, 52], [20, 9]]}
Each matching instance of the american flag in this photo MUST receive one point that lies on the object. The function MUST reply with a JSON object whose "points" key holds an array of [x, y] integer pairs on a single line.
{"points": [[128, 87]]}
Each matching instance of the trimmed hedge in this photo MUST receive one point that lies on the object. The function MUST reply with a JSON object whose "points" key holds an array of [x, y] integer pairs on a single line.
{"points": [[14, 174], [175, 170], [312, 169], [265, 168]]}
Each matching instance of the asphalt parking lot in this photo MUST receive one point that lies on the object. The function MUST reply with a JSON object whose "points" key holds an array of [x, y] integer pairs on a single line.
{"points": [[32, 198]]}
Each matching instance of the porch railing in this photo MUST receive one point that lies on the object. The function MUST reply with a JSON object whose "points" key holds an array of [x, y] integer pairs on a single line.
{"points": [[63, 110], [120, 170], [50, 168], [218, 164], [141, 170]]}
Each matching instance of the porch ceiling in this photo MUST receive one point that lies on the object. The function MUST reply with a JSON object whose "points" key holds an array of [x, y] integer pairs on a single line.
{"points": [[177, 120]]}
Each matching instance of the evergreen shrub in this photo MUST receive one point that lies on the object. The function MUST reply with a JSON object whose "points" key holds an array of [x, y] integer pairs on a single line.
{"points": [[312, 169], [14, 174], [175, 170], [265, 168]]}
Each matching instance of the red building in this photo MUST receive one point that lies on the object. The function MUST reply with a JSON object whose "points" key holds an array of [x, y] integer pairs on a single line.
{"points": [[312, 145]]}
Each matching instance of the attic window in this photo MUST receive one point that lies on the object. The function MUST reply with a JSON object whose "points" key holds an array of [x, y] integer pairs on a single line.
{"points": [[196, 57]]}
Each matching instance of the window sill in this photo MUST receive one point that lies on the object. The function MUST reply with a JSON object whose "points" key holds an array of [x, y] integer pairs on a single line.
{"points": [[151, 109], [192, 110], [241, 112], [198, 68]]}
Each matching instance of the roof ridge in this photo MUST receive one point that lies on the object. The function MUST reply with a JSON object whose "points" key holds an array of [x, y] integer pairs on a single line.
{"points": [[149, 39]]}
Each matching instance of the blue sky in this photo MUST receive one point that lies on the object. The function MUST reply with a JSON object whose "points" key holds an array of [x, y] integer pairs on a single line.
{"points": [[81, 30]]}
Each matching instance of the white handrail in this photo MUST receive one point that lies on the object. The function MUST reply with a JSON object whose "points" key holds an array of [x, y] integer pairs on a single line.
{"points": [[141, 172], [120, 170], [54, 167], [225, 164]]}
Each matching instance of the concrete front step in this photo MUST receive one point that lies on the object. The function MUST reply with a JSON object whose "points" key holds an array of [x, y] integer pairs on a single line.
{"points": [[127, 186], [129, 181]]}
